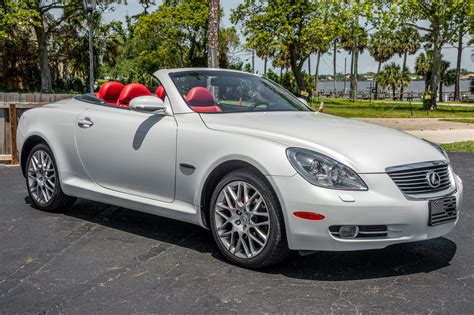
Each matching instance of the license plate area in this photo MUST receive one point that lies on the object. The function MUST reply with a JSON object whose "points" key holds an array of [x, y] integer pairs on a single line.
{"points": [[442, 211]]}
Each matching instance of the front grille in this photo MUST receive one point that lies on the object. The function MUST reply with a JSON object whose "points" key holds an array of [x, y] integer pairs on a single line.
{"points": [[414, 179], [365, 231]]}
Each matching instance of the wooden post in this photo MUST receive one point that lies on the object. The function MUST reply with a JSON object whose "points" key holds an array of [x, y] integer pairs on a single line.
{"points": [[13, 133]]}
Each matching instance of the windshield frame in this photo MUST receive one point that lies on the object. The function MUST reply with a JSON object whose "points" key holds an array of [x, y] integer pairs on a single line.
{"points": [[302, 107]]}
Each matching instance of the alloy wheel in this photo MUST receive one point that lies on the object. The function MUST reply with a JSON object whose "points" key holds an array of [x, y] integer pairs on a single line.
{"points": [[242, 219], [41, 177]]}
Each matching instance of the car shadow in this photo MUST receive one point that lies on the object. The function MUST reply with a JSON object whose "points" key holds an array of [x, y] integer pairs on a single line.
{"points": [[396, 260], [143, 129]]}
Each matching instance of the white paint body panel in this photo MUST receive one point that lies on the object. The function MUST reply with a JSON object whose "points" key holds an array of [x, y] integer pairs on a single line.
{"points": [[133, 159]]}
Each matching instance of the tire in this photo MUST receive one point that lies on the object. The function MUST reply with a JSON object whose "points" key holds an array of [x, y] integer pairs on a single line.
{"points": [[42, 181], [251, 215]]}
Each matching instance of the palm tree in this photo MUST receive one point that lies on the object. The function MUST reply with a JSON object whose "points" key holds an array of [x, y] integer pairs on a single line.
{"points": [[393, 77], [213, 34], [354, 41], [423, 67], [407, 42], [381, 50], [447, 77]]}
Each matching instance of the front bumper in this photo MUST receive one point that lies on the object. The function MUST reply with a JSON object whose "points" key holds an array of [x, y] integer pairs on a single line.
{"points": [[406, 220]]}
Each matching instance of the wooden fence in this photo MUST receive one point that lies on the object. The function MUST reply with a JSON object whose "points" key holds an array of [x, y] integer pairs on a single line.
{"points": [[12, 105]]}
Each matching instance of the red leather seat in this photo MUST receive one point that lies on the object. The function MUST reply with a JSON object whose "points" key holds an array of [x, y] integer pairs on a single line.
{"points": [[110, 92], [161, 93], [130, 91], [201, 101]]}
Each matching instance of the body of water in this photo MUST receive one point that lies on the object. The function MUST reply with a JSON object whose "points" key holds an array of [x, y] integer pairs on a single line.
{"points": [[415, 86]]}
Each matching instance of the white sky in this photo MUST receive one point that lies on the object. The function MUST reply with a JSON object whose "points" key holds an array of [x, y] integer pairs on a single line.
{"points": [[366, 62]]}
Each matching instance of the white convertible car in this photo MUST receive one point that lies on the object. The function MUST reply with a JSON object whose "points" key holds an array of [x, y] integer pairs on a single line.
{"points": [[237, 154]]}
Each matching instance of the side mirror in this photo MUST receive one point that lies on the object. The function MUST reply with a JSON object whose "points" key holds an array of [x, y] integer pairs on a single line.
{"points": [[302, 100], [148, 104]]}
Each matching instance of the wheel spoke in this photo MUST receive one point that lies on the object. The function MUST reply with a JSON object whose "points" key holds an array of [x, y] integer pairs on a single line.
{"points": [[246, 249], [227, 218], [260, 233], [256, 240], [232, 194], [228, 199], [223, 206], [257, 204]]}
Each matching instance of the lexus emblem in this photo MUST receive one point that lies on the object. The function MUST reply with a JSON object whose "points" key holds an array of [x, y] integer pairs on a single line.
{"points": [[433, 179]]}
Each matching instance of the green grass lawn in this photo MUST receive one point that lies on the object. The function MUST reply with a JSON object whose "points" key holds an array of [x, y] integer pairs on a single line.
{"points": [[461, 120], [391, 109], [464, 146]]}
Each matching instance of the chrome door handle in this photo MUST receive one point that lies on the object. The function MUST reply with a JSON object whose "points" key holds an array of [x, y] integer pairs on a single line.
{"points": [[85, 122]]}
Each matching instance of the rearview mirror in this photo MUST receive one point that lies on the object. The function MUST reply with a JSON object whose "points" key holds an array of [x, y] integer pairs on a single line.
{"points": [[148, 104]]}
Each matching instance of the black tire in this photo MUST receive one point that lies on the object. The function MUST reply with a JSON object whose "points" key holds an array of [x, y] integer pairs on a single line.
{"points": [[276, 248], [58, 200]]}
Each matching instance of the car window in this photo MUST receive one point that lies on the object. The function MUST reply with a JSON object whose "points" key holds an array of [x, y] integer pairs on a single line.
{"points": [[227, 91]]}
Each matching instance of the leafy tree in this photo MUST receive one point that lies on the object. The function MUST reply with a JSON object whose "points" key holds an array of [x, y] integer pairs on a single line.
{"points": [[443, 25], [381, 48], [393, 77], [291, 26]]}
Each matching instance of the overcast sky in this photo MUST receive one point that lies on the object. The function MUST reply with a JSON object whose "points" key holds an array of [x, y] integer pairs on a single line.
{"points": [[366, 62]]}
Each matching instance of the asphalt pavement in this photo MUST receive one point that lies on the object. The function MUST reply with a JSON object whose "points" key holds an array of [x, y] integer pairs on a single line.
{"points": [[105, 259]]}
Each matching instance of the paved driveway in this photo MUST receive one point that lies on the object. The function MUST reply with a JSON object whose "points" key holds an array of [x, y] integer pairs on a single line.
{"points": [[100, 258]]}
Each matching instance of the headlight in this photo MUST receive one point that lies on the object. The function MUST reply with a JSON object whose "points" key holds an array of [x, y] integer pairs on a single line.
{"points": [[439, 148], [323, 171]]}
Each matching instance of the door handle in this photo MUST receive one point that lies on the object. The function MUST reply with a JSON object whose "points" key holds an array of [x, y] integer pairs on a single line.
{"points": [[85, 122]]}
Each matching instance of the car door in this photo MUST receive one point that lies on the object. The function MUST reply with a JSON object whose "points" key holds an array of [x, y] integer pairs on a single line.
{"points": [[128, 151]]}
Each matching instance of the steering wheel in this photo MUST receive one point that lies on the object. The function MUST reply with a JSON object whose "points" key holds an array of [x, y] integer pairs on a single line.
{"points": [[253, 106]]}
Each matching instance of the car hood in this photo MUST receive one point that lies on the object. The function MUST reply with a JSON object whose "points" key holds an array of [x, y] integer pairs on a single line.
{"points": [[365, 147]]}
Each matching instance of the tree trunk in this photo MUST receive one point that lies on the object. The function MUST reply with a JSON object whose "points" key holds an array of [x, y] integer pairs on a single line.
{"points": [[354, 76], [403, 69], [436, 65], [296, 69], [440, 91], [316, 74], [41, 36], [265, 65], [352, 73], [377, 81], [309, 65], [213, 34], [457, 94], [334, 70], [394, 92], [281, 72]]}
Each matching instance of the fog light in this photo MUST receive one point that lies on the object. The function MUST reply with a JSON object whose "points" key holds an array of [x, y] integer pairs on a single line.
{"points": [[348, 231]]}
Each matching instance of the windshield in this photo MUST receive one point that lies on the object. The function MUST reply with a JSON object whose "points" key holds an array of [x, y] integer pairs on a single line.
{"points": [[226, 91]]}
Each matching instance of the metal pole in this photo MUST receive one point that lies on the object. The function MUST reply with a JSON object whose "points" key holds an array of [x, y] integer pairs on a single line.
{"points": [[345, 73], [91, 57], [253, 61]]}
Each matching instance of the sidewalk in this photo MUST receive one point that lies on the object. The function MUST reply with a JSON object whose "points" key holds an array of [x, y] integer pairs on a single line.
{"points": [[432, 129]]}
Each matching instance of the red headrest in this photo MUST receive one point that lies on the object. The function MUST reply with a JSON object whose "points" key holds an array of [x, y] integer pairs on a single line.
{"points": [[130, 91], [110, 92], [200, 96], [161, 93]]}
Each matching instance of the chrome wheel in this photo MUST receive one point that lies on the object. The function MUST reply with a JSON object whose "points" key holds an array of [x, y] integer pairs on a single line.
{"points": [[242, 219], [41, 177]]}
